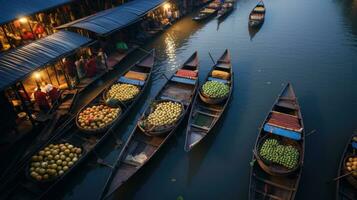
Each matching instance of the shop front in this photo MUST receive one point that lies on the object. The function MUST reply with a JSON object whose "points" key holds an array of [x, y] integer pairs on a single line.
{"points": [[33, 76]]}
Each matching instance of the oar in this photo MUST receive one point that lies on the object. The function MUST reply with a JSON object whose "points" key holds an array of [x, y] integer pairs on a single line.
{"points": [[310, 133], [146, 51], [337, 178], [211, 58]]}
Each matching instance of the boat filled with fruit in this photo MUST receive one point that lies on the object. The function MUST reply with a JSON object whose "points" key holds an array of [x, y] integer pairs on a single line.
{"points": [[72, 145], [279, 150], [226, 8], [158, 123], [53, 161], [208, 11], [346, 182], [257, 15], [97, 118], [161, 117], [210, 102]]}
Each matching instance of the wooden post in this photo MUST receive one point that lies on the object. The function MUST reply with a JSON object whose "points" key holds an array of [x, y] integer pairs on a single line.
{"points": [[7, 37], [27, 111], [23, 88], [65, 75], [48, 74], [56, 74], [28, 22]]}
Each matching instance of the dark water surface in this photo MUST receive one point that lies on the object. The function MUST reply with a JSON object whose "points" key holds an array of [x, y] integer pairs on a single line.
{"points": [[310, 43]]}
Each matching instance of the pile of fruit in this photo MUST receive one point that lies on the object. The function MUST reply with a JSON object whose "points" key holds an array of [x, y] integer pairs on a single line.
{"points": [[351, 165], [53, 161], [215, 89], [287, 156], [98, 116], [122, 92], [164, 113]]}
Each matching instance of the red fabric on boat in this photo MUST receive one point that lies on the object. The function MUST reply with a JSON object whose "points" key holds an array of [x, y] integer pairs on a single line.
{"points": [[285, 121], [186, 73]]}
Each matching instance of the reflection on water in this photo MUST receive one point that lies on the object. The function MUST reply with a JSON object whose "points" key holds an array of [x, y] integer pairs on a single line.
{"points": [[350, 13], [170, 51]]}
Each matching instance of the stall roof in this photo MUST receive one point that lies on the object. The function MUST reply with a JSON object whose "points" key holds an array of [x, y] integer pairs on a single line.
{"points": [[18, 63], [114, 19], [13, 9]]}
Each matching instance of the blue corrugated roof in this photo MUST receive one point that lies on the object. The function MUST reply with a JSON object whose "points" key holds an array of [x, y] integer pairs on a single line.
{"points": [[116, 18], [13, 9], [18, 63]]}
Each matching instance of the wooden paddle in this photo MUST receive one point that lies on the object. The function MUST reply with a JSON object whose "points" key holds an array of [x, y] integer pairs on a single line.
{"points": [[337, 178], [211, 58]]}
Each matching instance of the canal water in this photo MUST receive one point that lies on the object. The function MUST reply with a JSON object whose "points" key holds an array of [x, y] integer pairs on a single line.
{"points": [[310, 43]]}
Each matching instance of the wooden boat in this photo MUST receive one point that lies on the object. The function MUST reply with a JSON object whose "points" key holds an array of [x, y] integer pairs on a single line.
{"points": [[346, 186], [204, 116], [257, 15], [273, 181], [226, 8], [22, 186], [141, 144], [68, 100], [207, 12]]}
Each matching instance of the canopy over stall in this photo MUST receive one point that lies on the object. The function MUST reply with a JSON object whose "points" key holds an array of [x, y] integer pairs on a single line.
{"points": [[14, 9], [108, 21], [18, 63]]}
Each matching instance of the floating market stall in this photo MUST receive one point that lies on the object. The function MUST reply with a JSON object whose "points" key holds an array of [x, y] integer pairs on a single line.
{"points": [[109, 26], [75, 141]]}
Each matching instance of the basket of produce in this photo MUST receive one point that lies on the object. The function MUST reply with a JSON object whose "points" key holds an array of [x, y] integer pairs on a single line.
{"points": [[350, 167], [214, 92], [120, 93], [161, 117], [52, 162], [278, 156], [97, 118]]}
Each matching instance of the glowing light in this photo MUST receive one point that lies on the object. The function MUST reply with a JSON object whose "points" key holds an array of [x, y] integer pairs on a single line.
{"points": [[167, 6], [37, 75], [23, 20]]}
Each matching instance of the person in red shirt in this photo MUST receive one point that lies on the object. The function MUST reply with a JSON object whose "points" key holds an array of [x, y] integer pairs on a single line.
{"points": [[91, 67], [41, 100], [27, 35]]}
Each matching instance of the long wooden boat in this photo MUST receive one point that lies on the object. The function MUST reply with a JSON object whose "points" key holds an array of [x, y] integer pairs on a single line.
{"points": [[346, 186], [204, 116], [207, 12], [177, 88], [257, 15], [22, 186], [226, 8], [285, 124]]}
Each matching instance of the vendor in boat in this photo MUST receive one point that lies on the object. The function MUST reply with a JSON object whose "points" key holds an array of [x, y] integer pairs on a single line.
{"points": [[52, 92], [102, 60], [91, 67], [80, 67], [70, 68], [41, 100]]}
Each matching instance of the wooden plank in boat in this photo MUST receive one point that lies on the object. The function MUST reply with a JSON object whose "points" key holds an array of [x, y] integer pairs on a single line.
{"points": [[268, 195], [273, 183], [151, 140], [208, 114], [200, 127]]}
